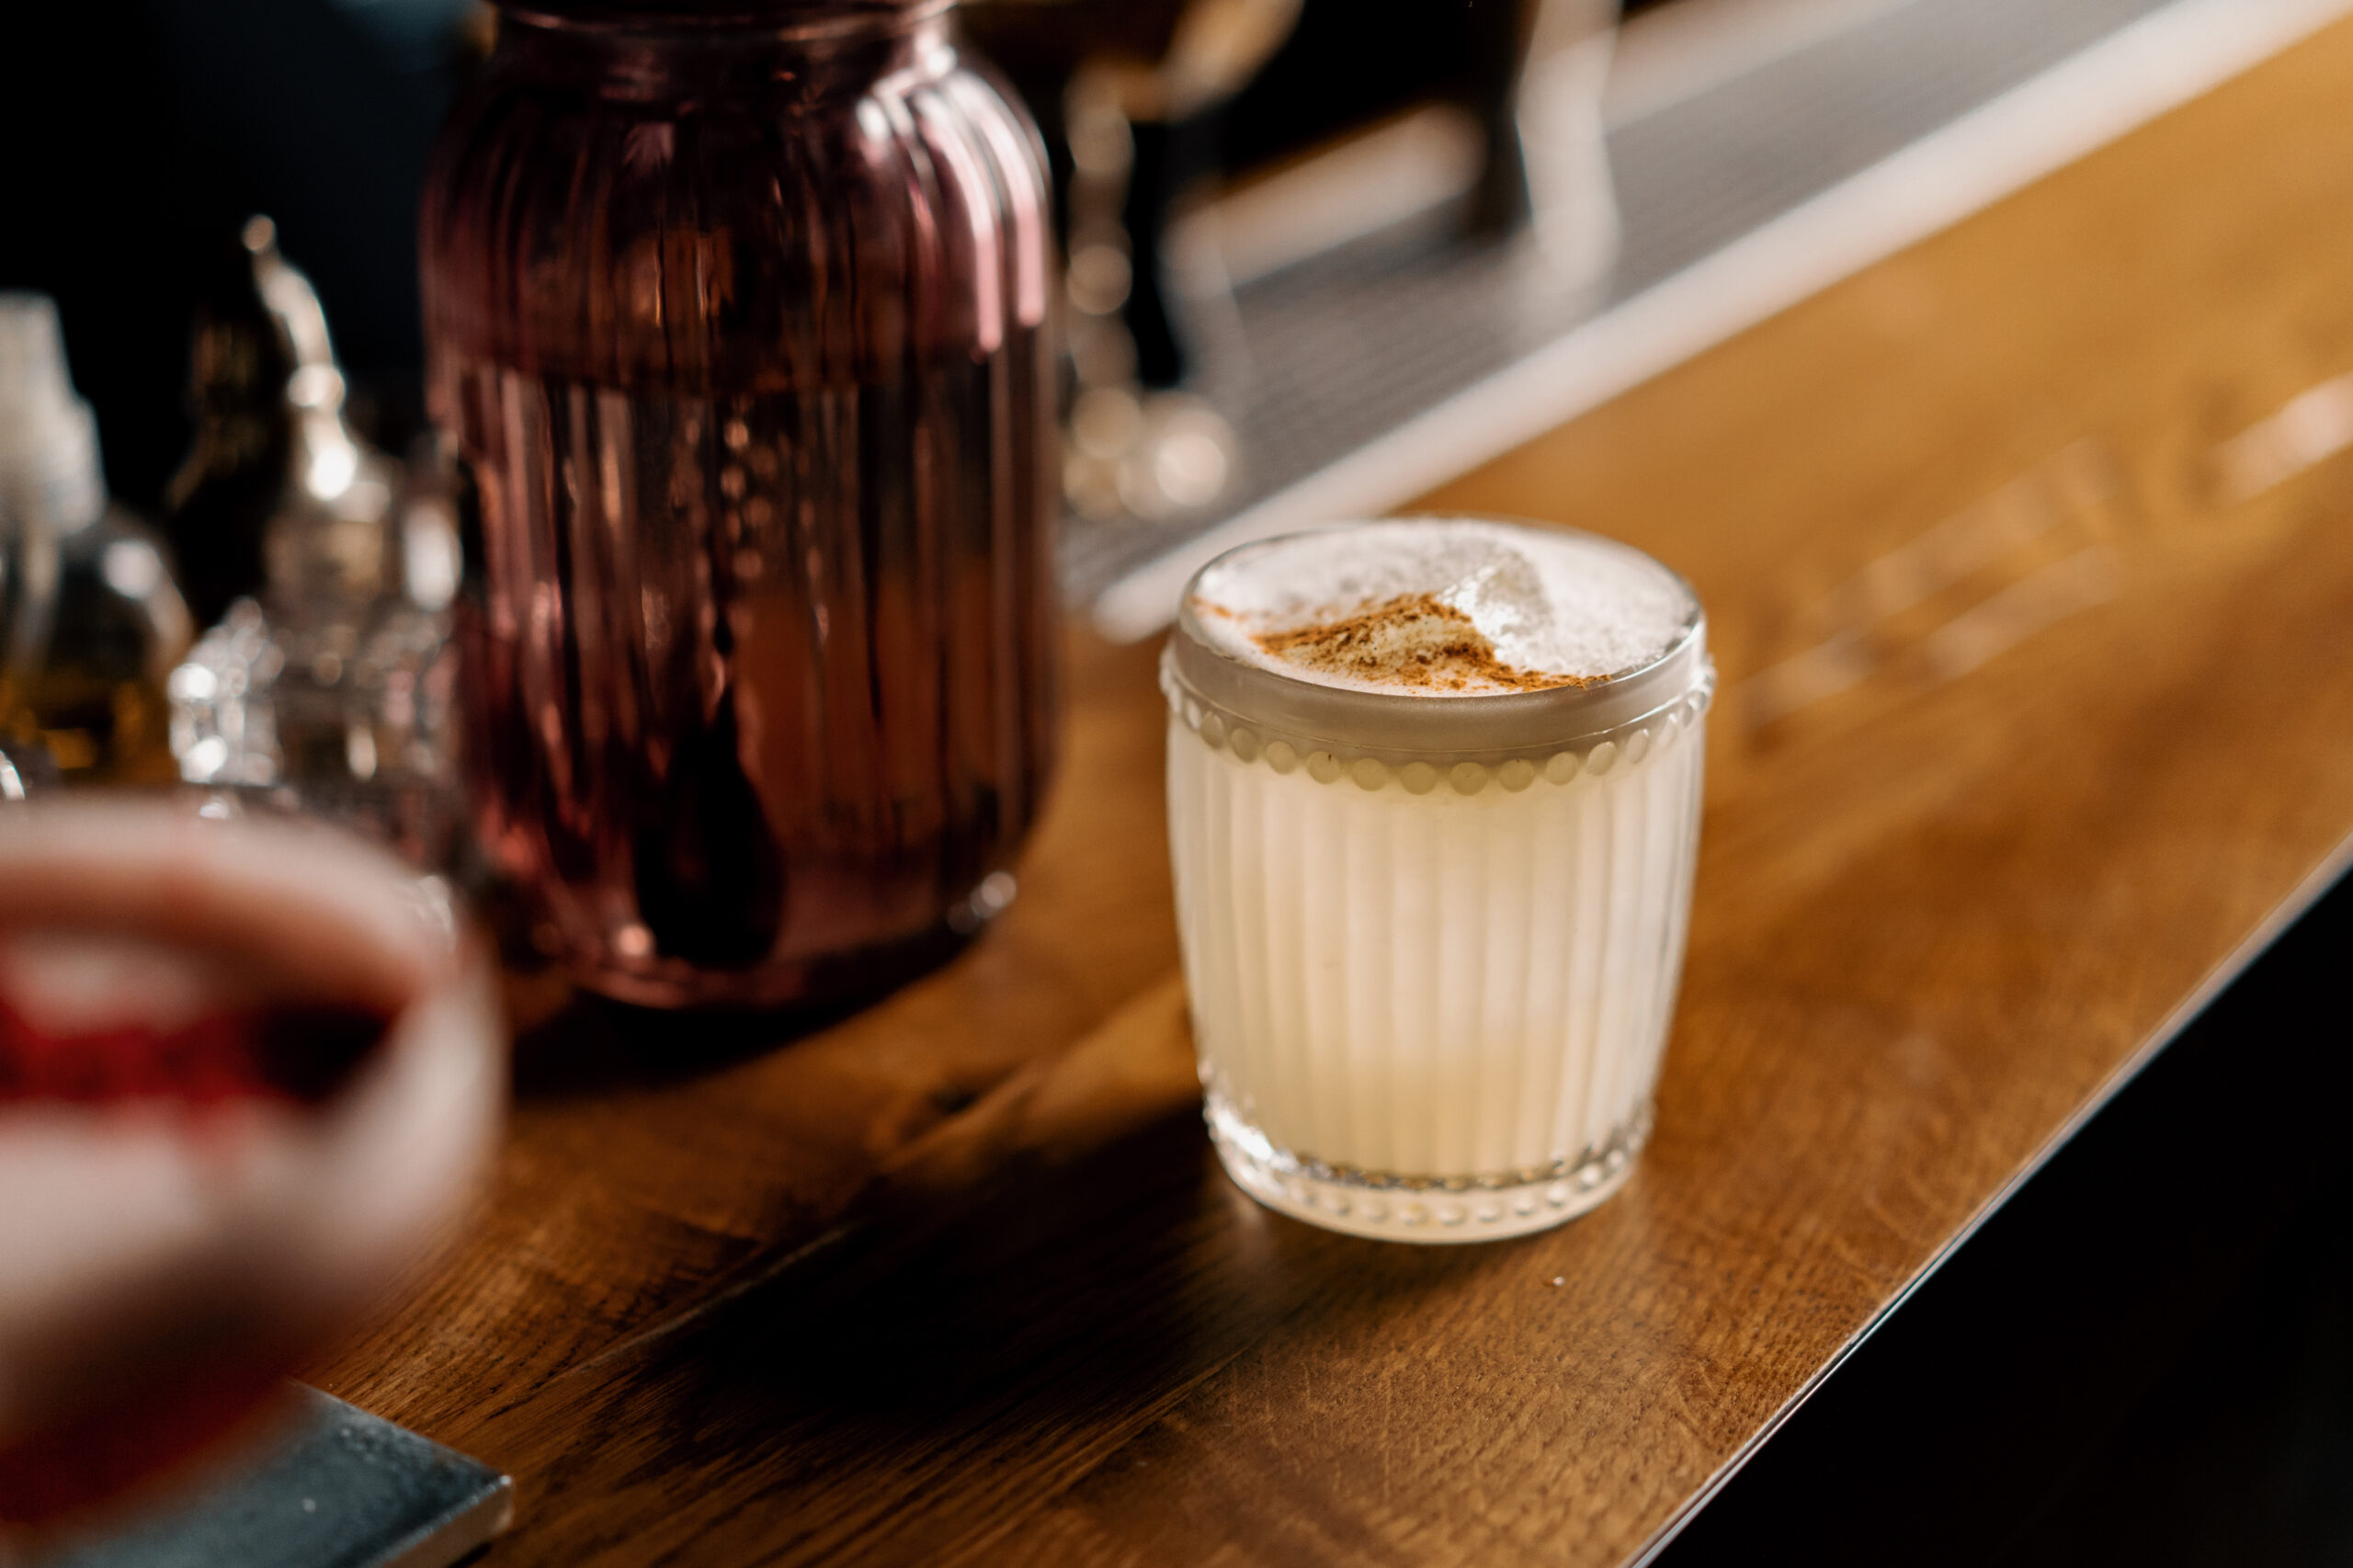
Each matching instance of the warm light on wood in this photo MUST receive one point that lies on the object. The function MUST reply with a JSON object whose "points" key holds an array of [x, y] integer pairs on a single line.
{"points": [[2037, 707]]}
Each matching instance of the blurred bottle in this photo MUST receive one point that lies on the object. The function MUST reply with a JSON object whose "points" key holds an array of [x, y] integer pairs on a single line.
{"points": [[121, 625], [332, 693], [244, 347], [116, 623], [39, 434]]}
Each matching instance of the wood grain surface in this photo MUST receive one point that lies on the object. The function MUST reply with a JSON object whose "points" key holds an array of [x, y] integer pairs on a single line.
{"points": [[2038, 706]]}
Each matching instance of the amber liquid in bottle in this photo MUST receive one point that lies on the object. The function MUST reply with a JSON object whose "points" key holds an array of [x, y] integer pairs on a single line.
{"points": [[741, 329]]}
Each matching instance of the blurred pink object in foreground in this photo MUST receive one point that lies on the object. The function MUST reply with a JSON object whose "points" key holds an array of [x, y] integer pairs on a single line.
{"points": [[248, 1074]]}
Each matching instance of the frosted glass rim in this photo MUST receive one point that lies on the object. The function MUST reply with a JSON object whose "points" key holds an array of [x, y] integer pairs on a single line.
{"points": [[1405, 724]]}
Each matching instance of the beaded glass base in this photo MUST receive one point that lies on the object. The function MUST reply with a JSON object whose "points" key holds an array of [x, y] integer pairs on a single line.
{"points": [[1422, 1209]]}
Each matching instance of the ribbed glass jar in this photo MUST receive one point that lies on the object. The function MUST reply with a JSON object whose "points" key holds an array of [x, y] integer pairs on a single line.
{"points": [[738, 312], [1432, 944]]}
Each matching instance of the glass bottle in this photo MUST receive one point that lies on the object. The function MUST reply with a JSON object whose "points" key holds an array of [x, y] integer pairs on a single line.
{"points": [[333, 694], [42, 435], [120, 626], [256, 323], [84, 677], [737, 311]]}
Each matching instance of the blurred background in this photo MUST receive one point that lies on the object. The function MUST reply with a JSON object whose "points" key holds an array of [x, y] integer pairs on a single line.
{"points": [[1291, 229], [1291, 224], [149, 132]]}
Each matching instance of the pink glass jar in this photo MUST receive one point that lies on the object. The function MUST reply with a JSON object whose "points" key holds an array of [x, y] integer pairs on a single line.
{"points": [[738, 311]]}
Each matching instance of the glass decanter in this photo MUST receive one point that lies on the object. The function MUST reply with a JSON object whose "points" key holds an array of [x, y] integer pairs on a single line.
{"points": [[738, 312], [333, 694]]}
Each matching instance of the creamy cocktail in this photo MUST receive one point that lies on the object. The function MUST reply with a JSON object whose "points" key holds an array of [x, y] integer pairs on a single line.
{"points": [[1434, 791]]}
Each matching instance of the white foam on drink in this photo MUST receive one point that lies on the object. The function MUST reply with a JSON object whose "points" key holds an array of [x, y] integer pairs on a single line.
{"points": [[1567, 608]]}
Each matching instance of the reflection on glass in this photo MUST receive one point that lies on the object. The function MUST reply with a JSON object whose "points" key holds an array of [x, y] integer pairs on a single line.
{"points": [[756, 399]]}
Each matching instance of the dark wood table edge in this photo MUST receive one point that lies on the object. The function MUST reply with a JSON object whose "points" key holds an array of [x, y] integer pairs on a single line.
{"points": [[2334, 868]]}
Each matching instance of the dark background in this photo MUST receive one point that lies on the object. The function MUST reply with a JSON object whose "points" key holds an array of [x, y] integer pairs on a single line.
{"points": [[143, 133]]}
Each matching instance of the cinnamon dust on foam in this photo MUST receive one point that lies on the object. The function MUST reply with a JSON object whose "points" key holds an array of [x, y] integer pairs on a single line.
{"points": [[1416, 640]]}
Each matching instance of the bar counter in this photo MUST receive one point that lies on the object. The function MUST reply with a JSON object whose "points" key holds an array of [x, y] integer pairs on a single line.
{"points": [[2034, 617]]}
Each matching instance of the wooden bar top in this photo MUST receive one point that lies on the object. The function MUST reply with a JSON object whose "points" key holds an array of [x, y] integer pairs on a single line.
{"points": [[2035, 622]]}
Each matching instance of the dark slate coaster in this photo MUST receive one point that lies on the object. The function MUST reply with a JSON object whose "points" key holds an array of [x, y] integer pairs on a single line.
{"points": [[339, 1489]]}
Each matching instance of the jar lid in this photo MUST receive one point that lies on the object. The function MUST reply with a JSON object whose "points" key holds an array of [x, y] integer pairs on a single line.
{"points": [[1456, 639]]}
